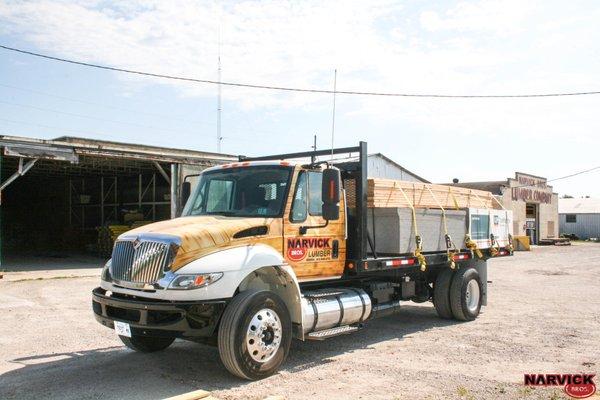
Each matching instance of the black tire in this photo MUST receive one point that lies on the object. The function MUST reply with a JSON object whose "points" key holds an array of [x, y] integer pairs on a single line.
{"points": [[146, 344], [466, 307], [441, 293], [236, 321], [423, 292]]}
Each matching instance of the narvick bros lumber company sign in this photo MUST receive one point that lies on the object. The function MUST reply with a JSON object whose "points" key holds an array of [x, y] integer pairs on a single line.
{"points": [[309, 249], [531, 189]]}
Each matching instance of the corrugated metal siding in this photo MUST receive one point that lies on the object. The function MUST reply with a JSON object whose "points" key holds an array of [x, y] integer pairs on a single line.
{"points": [[381, 168], [587, 225]]}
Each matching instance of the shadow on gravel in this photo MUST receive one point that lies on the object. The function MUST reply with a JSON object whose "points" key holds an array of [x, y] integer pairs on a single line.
{"points": [[29, 261], [118, 373]]}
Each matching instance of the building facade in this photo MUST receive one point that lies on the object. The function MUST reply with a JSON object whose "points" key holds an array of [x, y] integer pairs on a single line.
{"points": [[380, 166], [532, 201], [580, 217]]}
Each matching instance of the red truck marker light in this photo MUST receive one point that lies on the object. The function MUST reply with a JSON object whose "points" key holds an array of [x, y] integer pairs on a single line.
{"points": [[399, 262], [462, 256]]}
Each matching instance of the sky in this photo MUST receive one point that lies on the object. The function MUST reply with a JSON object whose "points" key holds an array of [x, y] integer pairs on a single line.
{"points": [[442, 47]]}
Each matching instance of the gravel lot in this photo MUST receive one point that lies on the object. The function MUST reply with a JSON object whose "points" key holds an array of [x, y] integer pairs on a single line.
{"points": [[543, 316]]}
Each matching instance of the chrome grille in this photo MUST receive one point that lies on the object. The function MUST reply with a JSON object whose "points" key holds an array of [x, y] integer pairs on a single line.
{"points": [[140, 261]]}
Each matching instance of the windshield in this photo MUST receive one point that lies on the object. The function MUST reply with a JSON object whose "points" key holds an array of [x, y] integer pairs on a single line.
{"points": [[258, 191]]}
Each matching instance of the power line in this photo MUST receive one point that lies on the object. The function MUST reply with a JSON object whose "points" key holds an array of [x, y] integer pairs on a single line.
{"points": [[294, 89], [158, 129], [259, 132], [558, 179], [106, 135], [79, 132], [103, 105], [575, 174]]}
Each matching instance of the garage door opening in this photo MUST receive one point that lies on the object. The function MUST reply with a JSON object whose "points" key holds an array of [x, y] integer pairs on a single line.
{"points": [[64, 212]]}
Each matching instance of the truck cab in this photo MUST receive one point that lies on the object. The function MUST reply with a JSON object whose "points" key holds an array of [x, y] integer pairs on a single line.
{"points": [[265, 251]]}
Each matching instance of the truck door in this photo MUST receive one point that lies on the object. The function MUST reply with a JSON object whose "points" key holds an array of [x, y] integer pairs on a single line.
{"points": [[320, 252]]}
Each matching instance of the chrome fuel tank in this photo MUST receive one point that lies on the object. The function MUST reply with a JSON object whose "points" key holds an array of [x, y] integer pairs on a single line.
{"points": [[330, 308]]}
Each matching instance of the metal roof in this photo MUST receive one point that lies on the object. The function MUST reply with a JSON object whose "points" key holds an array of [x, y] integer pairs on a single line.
{"points": [[381, 156], [579, 206], [60, 148]]}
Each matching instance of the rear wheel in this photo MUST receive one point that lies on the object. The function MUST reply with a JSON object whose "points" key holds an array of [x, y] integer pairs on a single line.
{"points": [[465, 294], [441, 293], [255, 334], [146, 344]]}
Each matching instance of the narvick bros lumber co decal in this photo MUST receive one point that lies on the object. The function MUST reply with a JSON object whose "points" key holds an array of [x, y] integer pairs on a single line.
{"points": [[578, 386], [309, 249]]}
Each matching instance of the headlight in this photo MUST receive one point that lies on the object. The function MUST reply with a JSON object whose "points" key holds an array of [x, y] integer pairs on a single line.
{"points": [[194, 281], [105, 275]]}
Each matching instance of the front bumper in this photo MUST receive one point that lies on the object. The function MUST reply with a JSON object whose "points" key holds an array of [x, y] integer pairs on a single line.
{"points": [[151, 317]]}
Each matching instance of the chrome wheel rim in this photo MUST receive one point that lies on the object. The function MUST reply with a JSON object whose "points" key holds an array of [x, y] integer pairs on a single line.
{"points": [[472, 295], [263, 336]]}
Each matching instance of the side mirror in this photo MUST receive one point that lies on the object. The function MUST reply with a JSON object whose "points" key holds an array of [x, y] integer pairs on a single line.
{"points": [[186, 190], [330, 192]]}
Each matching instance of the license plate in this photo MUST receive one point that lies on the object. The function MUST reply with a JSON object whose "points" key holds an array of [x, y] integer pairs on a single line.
{"points": [[122, 329]]}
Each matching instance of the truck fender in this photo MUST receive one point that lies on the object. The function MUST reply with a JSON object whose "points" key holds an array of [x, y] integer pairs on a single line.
{"points": [[249, 267]]}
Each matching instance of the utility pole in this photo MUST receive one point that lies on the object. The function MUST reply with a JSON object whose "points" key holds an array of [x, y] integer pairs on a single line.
{"points": [[333, 112]]}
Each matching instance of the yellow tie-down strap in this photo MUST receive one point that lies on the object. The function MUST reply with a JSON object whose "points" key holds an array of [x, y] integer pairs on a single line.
{"points": [[418, 241], [471, 245], [450, 246]]}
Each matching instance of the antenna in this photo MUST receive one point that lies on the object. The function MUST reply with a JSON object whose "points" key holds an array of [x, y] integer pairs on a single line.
{"points": [[219, 137], [333, 114]]}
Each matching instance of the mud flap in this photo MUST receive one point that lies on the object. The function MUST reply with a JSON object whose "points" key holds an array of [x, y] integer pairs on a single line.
{"points": [[481, 267]]}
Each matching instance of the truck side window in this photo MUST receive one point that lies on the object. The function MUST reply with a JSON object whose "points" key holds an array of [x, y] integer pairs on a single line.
{"points": [[299, 205], [315, 204]]}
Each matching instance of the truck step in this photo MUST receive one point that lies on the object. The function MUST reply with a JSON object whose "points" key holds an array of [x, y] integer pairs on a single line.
{"points": [[323, 293], [327, 333]]}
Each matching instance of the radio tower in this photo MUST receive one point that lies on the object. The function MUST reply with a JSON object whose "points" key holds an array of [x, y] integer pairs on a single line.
{"points": [[219, 137]]}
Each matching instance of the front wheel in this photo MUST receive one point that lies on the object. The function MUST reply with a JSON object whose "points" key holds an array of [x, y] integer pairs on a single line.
{"points": [[255, 334], [146, 344]]}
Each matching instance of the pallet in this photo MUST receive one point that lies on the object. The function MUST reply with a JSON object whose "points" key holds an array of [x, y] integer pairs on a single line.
{"points": [[388, 193]]}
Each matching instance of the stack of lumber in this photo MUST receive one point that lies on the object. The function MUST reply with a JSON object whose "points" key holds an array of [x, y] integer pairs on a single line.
{"points": [[107, 236], [132, 216], [389, 193], [137, 224]]}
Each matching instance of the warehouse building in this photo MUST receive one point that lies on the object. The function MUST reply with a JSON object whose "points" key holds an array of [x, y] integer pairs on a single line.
{"points": [[59, 197], [579, 217], [532, 200], [380, 166]]}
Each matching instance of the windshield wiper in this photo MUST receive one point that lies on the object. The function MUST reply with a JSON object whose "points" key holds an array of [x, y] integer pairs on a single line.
{"points": [[223, 213]]}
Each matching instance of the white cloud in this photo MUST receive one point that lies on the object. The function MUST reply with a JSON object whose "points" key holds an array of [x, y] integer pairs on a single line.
{"points": [[467, 47], [503, 17]]}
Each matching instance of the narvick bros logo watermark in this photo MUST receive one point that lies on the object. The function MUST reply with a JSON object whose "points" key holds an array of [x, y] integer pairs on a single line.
{"points": [[309, 249], [578, 386]]}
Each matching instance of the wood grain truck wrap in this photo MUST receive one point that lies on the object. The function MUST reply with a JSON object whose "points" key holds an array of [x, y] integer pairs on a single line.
{"points": [[267, 250]]}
